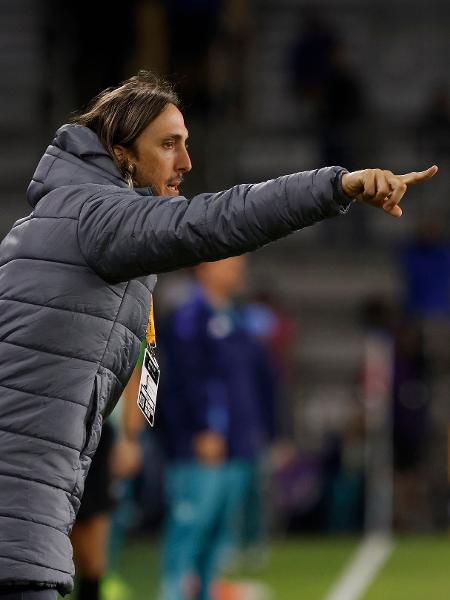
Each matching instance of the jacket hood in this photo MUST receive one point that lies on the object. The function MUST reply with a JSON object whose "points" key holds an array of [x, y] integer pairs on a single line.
{"points": [[74, 157]]}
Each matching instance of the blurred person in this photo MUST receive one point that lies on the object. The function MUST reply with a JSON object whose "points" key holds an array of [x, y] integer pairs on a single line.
{"points": [[118, 457], [76, 281], [422, 367], [278, 328], [425, 267], [322, 73], [344, 475], [341, 109], [424, 262], [271, 322], [216, 417], [404, 426], [324, 76], [411, 421], [310, 54], [297, 490], [433, 132]]}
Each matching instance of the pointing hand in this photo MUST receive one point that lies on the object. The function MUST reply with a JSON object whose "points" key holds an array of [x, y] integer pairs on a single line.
{"points": [[382, 189]]}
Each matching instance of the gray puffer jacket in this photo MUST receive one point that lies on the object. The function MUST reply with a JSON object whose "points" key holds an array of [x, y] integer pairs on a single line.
{"points": [[75, 291]]}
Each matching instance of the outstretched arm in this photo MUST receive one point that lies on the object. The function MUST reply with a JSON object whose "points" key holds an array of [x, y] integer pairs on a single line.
{"points": [[123, 234]]}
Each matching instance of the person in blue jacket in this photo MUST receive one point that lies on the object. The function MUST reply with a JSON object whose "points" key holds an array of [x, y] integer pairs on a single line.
{"points": [[76, 282], [215, 418]]}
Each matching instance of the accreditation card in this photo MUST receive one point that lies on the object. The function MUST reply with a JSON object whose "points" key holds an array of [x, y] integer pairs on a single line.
{"points": [[148, 386]]}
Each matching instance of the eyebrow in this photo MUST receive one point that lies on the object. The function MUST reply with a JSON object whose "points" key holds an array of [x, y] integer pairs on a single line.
{"points": [[175, 136]]}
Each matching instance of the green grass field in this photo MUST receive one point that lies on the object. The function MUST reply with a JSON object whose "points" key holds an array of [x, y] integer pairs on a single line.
{"points": [[310, 566], [306, 568], [418, 569]]}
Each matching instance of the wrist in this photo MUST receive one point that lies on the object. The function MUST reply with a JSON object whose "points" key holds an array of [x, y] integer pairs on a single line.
{"points": [[342, 192], [343, 184]]}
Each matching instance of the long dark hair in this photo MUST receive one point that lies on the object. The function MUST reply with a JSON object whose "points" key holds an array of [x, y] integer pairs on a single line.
{"points": [[118, 115]]}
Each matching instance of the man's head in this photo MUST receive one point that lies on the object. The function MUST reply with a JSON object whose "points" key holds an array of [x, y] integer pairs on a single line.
{"points": [[224, 278], [141, 126]]}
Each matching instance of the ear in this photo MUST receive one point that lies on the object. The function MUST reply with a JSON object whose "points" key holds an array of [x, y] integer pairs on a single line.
{"points": [[121, 155]]}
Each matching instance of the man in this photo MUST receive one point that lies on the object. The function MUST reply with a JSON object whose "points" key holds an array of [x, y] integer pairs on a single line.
{"points": [[215, 418], [76, 278]]}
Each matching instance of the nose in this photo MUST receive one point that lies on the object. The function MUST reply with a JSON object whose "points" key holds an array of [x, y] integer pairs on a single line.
{"points": [[184, 161]]}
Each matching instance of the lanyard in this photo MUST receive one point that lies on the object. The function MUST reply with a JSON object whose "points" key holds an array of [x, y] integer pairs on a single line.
{"points": [[150, 334]]}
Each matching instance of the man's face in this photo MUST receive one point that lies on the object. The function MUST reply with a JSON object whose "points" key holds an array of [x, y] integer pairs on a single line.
{"points": [[226, 276], [160, 157]]}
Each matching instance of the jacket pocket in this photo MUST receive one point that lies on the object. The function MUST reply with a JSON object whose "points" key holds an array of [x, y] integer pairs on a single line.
{"points": [[93, 421], [92, 431]]}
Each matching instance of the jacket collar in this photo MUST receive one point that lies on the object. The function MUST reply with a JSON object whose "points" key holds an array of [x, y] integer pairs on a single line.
{"points": [[75, 157]]}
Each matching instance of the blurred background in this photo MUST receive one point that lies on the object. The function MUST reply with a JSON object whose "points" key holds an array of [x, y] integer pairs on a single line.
{"points": [[354, 313]]}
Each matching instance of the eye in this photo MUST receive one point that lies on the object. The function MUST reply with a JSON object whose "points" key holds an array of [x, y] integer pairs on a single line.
{"points": [[169, 144]]}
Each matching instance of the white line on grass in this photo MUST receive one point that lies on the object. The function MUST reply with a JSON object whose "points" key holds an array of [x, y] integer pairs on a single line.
{"points": [[370, 556]]}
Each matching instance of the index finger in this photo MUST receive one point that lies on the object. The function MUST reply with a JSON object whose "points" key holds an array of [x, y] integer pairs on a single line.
{"points": [[412, 178]]}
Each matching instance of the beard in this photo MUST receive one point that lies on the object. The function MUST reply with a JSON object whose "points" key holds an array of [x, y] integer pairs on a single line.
{"points": [[158, 188]]}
